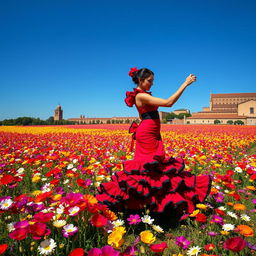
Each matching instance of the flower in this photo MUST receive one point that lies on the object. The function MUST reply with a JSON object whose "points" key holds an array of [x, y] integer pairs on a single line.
{"points": [[200, 217], [239, 207], [98, 220], [77, 252], [182, 242], [158, 247], [118, 223], [69, 230], [245, 217], [104, 251], [157, 228], [19, 234], [228, 227], [134, 219], [132, 70], [201, 206], [147, 219], [6, 204], [232, 214], [47, 246], [59, 223], [217, 219], [194, 250], [235, 244], [147, 237], [73, 211], [115, 239], [209, 247], [3, 248], [245, 230]]}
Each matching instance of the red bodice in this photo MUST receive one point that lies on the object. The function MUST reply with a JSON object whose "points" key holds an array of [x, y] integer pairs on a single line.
{"points": [[130, 101]]}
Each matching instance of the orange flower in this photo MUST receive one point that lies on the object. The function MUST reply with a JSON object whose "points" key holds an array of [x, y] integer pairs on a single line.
{"points": [[239, 207], [230, 203], [110, 215], [245, 230]]}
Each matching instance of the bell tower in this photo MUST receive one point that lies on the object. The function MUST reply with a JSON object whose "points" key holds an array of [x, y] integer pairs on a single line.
{"points": [[58, 113]]}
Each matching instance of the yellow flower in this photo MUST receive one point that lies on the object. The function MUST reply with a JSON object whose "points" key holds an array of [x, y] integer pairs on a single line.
{"points": [[147, 237], [36, 192], [194, 213], [201, 206], [36, 178], [115, 239], [225, 233], [56, 197], [178, 254], [251, 188]]}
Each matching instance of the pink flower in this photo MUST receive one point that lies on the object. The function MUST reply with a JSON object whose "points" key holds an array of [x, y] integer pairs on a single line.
{"points": [[158, 247], [105, 251], [182, 242], [19, 234], [134, 219]]}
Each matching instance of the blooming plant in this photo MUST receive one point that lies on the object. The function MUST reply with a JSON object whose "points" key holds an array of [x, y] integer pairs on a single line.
{"points": [[49, 177]]}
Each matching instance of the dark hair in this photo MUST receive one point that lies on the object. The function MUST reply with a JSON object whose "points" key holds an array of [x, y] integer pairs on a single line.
{"points": [[141, 74]]}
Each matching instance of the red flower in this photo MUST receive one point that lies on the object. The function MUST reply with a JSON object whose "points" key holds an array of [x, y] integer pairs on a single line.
{"points": [[43, 217], [209, 247], [38, 230], [77, 252], [235, 244], [42, 197], [98, 220], [220, 212], [158, 247], [132, 70], [19, 234], [200, 217], [6, 179], [3, 248]]}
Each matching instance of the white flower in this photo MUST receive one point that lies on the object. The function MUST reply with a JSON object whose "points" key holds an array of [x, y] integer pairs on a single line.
{"points": [[73, 210], [10, 226], [59, 223], [232, 214], [70, 166], [193, 250], [47, 246], [75, 161], [66, 181], [60, 209], [118, 223], [46, 187], [74, 169], [5, 204], [238, 169], [226, 191], [245, 217], [70, 228], [20, 170], [157, 228], [228, 227], [147, 219], [222, 208]]}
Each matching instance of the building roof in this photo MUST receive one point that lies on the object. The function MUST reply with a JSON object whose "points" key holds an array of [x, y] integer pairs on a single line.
{"points": [[245, 101], [233, 95], [216, 116]]}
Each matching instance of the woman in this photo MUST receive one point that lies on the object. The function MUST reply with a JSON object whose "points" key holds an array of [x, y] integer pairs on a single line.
{"points": [[150, 180]]}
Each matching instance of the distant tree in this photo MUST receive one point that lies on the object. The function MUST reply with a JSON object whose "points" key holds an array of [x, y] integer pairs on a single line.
{"points": [[97, 121], [171, 116], [230, 122], [181, 115], [127, 121], [108, 121], [239, 122], [216, 121]]}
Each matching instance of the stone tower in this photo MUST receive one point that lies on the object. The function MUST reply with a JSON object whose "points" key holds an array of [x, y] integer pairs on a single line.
{"points": [[58, 113]]}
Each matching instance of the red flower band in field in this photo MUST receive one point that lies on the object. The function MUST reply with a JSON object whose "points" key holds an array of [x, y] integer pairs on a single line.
{"points": [[235, 244], [132, 70]]}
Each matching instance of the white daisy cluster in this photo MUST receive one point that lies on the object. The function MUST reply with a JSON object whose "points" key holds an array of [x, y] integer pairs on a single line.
{"points": [[47, 247]]}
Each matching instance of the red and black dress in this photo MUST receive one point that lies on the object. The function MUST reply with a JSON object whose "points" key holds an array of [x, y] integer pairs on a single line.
{"points": [[150, 180]]}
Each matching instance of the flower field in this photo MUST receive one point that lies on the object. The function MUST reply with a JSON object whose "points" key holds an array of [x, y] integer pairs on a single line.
{"points": [[50, 174]]}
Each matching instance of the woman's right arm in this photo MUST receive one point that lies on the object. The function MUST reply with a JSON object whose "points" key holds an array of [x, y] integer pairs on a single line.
{"points": [[146, 99]]}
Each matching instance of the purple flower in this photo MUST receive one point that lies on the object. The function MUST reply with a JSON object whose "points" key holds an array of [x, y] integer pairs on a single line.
{"points": [[251, 246], [212, 233], [131, 250], [21, 224], [182, 242], [254, 200], [219, 197], [217, 219], [134, 219]]}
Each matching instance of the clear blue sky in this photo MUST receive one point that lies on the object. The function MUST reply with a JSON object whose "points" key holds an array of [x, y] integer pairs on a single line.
{"points": [[78, 53]]}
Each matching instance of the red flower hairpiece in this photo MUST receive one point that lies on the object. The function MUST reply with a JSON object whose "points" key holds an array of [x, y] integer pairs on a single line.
{"points": [[132, 70]]}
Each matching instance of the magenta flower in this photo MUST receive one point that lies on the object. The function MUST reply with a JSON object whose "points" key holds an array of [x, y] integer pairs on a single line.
{"points": [[217, 219], [182, 242], [134, 219], [105, 251], [212, 233], [219, 197], [254, 201], [21, 224], [69, 230]]}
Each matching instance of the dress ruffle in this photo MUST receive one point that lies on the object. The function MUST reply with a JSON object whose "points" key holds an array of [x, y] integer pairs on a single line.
{"points": [[158, 185]]}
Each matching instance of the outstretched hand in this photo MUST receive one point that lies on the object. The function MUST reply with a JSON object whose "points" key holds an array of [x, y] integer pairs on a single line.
{"points": [[190, 79]]}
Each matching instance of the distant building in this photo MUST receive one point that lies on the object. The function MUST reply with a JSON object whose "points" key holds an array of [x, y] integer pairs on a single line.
{"points": [[227, 107], [58, 113], [181, 111], [109, 120]]}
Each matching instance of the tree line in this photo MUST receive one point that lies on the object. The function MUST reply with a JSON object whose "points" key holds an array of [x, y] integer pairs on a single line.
{"points": [[34, 121]]}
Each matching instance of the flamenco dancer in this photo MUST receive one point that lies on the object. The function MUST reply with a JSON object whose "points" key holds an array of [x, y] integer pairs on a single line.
{"points": [[150, 181]]}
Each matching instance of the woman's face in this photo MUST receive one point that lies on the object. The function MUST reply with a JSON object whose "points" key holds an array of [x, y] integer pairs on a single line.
{"points": [[146, 83]]}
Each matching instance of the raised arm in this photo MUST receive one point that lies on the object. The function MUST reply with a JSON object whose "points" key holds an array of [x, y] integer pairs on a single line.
{"points": [[146, 99]]}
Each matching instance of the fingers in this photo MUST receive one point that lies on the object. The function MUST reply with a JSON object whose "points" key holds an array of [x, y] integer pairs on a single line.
{"points": [[193, 77]]}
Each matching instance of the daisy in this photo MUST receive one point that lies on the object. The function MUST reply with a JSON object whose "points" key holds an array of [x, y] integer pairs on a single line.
{"points": [[222, 208], [59, 223], [118, 223], [46, 187], [6, 204], [70, 166], [147, 219], [245, 217], [228, 227], [238, 169], [73, 211], [157, 228], [193, 250], [232, 214], [47, 246], [69, 230]]}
